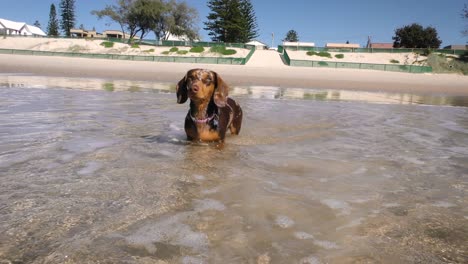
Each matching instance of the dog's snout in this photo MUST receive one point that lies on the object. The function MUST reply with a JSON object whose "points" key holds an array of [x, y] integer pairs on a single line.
{"points": [[195, 88]]}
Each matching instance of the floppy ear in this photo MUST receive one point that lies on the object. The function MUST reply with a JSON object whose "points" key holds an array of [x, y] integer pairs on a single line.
{"points": [[221, 91], [181, 90]]}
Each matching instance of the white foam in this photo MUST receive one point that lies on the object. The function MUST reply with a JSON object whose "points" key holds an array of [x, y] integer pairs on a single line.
{"points": [[208, 204], [192, 260], [90, 168], [303, 235], [342, 206], [284, 221], [171, 230], [310, 260], [326, 244]]}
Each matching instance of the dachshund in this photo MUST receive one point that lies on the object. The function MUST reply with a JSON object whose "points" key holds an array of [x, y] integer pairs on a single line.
{"points": [[211, 111]]}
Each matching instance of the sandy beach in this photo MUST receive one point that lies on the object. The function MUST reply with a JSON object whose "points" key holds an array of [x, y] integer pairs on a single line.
{"points": [[264, 69]]}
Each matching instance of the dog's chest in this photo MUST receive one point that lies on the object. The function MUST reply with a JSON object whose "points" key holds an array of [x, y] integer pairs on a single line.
{"points": [[206, 133]]}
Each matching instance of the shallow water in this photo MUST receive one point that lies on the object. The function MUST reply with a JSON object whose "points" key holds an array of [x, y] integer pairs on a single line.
{"points": [[99, 171]]}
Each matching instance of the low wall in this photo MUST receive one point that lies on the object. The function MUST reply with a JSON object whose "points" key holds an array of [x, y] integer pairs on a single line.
{"points": [[207, 60], [353, 65]]}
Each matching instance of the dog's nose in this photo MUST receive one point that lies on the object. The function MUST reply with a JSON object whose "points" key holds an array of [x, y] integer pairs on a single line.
{"points": [[195, 88]]}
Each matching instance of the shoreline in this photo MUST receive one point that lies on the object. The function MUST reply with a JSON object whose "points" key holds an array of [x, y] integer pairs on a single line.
{"points": [[239, 75]]}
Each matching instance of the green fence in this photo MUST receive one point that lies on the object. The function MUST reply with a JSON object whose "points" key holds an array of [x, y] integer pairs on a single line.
{"points": [[369, 50], [353, 65], [207, 60]]}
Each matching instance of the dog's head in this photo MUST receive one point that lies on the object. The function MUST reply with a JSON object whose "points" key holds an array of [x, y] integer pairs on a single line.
{"points": [[201, 85]]}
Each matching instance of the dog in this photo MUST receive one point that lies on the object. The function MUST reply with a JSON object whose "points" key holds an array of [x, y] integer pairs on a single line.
{"points": [[211, 111]]}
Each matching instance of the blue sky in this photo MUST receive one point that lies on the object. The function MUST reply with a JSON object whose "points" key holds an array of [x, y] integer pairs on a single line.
{"points": [[315, 21]]}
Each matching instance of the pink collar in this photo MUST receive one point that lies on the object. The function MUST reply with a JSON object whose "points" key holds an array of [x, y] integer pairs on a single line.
{"points": [[202, 121]]}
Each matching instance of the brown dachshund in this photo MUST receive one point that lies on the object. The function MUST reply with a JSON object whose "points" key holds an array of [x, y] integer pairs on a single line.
{"points": [[211, 112]]}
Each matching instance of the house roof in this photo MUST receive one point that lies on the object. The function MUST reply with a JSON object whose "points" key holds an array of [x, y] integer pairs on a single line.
{"points": [[255, 43], [36, 31], [11, 24]]}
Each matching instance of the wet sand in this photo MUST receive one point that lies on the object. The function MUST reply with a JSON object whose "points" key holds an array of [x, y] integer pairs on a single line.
{"points": [[100, 172], [278, 76]]}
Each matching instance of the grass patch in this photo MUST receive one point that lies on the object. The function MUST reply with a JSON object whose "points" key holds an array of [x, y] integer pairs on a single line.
{"points": [[107, 44], [441, 64], [197, 49], [174, 49], [148, 51], [182, 52], [165, 52], [339, 56], [135, 46], [320, 54], [217, 49], [76, 48], [394, 61], [222, 50]]}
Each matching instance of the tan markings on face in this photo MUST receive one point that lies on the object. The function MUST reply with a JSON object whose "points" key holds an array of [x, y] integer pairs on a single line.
{"points": [[204, 80]]}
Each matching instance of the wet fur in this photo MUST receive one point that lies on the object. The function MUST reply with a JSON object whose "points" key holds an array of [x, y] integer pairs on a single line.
{"points": [[211, 111]]}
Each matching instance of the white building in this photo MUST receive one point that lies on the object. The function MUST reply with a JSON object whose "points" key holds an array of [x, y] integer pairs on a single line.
{"points": [[257, 44], [8, 27], [298, 44], [29, 30]]}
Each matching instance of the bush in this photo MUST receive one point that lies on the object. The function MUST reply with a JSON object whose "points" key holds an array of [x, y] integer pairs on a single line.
{"points": [[107, 44], [165, 52], [394, 61], [182, 52], [324, 54], [197, 49], [229, 52], [320, 54], [339, 56], [174, 49]]}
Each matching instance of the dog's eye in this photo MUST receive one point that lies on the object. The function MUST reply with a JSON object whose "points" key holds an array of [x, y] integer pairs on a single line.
{"points": [[208, 80]]}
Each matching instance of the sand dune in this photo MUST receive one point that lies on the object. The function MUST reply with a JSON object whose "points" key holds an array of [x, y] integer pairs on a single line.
{"points": [[94, 46]]}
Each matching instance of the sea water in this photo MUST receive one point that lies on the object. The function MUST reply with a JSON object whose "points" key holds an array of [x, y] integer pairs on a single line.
{"points": [[100, 171]]}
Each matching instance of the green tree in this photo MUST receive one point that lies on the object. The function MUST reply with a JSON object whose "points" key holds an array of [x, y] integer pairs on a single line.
{"points": [[53, 26], [118, 13], [291, 36], [415, 36], [231, 21], [250, 26], [67, 12], [144, 14], [179, 19]]}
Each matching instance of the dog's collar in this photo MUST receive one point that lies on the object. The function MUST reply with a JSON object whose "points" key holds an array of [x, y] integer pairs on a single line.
{"points": [[202, 121]]}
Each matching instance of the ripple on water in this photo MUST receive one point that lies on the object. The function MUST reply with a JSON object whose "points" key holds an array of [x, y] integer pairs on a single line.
{"points": [[169, 230]]}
